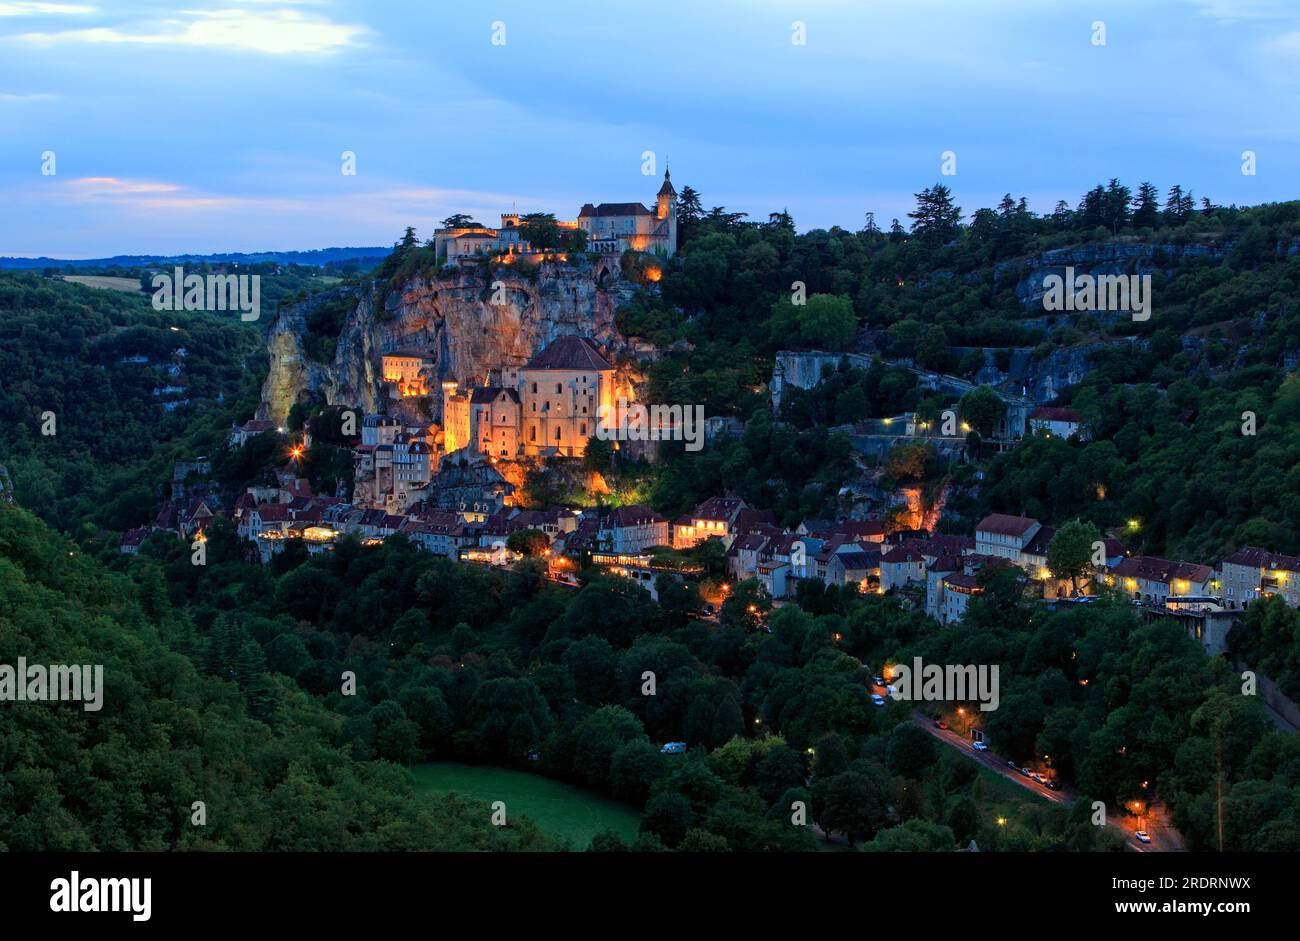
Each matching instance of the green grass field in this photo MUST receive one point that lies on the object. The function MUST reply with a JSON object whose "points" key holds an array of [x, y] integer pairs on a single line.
{"points": [[127, 285], [562, 811]]}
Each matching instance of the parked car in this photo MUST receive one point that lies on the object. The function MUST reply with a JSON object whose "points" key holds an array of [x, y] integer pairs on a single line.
{"points": [[673, 748], [940, 724], [979, 746], [1052, 786], [1012, 765], [1143, 836], [1025, 772], [877, 699], [878, 680]]}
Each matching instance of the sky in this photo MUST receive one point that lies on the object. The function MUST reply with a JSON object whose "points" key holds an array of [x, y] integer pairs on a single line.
{"points": [[220, 125]]}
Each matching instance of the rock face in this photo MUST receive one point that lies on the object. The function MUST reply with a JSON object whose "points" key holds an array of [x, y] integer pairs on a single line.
{"points": [[1105, 258], [469, 320]]}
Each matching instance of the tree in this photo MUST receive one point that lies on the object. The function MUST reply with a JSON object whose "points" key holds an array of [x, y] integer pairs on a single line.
{"points": [[1116, 205], [825, 321], [396, 736], [689, 209], [1069, 554], [914, 836], [851, 803], [530, 542], [779, 770], [669, 815], [747, 605], [908, 462], [933, 351], [910, 751], [540, 230], [598, 456], [633, 769], [459, 221], [1179, 206], [982, 408], [607, 841], [598, 737], [1146, 206], [935, 219], [702, 841]]}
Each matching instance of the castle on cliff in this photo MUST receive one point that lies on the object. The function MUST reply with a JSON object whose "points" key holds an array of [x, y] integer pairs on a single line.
{"points": [[611, 228]]}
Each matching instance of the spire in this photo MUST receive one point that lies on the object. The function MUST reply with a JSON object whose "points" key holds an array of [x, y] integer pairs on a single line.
{"points": [[667, 188]]}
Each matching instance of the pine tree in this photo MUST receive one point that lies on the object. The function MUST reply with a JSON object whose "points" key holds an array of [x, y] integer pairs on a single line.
{"points": [[1118, 197], [936, 218], [1146, 206]]}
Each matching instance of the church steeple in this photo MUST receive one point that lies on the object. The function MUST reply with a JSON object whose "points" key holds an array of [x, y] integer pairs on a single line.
{"points": [[667, 188]]}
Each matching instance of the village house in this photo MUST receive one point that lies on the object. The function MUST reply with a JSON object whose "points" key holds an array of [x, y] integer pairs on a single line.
{"points": [[718, 518], [441, 532], [854, 566], [132, 539], [902, 565], [630, 529], [1056, 422], [1251, 573], [408, 370], [241, 434], [1005, 536], [935, 589], [957, 591], [1155, 580]]}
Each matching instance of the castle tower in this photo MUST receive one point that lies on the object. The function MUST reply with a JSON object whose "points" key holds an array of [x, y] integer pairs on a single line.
{"points": [[666, 212]]}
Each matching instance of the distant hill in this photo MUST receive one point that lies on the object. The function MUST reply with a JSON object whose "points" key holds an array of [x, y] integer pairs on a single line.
{"points": [[315, 256]]}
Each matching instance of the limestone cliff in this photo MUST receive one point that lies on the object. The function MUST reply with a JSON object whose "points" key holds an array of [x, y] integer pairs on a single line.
{"points": [[470, 320]]}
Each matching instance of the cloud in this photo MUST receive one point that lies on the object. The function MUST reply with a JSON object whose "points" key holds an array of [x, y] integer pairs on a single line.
{"points": [[1287, 44], [1229, 11], [101, 187], [43, 9], [276, 32]]}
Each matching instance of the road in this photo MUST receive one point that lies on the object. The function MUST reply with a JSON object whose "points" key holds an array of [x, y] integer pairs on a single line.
{"points": [[1164, 838]]}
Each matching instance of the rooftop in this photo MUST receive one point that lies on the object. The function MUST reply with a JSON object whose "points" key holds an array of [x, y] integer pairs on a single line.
{"points": [[570, 352]]}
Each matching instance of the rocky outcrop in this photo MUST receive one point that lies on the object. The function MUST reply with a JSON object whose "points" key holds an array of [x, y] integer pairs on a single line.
{"points": [[1104, 258], [470, 320]]}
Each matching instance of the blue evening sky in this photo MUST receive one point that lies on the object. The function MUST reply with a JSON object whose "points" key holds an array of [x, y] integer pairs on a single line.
{"points": [[217, 125]]}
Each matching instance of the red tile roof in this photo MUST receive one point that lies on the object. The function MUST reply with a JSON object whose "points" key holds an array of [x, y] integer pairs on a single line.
{"points": [[1048, 413], [1004, 525]]}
